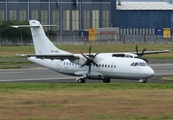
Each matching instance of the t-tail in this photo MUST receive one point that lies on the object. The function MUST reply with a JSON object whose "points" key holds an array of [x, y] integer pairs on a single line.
{"points": [[42, 44]]}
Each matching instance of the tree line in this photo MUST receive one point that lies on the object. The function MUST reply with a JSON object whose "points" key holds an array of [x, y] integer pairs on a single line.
{"points": [[7, 31]]}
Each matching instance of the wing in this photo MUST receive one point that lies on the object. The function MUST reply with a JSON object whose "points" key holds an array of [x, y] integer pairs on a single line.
{"points": [[134, 54], [153, 52], [59, 56]]}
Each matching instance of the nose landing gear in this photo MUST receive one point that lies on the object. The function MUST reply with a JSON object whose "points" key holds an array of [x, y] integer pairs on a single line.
{"points": [[143, 80]]}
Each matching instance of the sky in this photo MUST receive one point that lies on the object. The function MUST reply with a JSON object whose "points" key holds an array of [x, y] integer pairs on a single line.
{"points": [[147, 1]]}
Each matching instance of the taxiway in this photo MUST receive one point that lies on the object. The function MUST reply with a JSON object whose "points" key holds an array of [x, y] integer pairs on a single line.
{"points": [[46, 75]]}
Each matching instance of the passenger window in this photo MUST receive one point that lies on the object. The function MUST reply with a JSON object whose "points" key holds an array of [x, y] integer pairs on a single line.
{"points": [[102, 65]]}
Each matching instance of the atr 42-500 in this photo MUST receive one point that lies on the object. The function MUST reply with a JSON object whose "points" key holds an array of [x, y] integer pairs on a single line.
{"points": [[97, 66]]}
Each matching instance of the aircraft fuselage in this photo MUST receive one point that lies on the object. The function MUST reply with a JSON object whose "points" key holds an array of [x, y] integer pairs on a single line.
{"points": [[110, 67]]}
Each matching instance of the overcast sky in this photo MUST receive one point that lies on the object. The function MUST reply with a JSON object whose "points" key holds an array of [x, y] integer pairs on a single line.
{"points": [[147, 1]]}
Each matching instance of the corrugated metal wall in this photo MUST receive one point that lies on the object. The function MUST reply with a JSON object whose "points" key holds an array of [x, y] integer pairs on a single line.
{"points": [[143, 21]]}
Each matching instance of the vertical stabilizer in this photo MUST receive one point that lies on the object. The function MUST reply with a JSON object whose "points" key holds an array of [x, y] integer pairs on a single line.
{"points": [[42, 44]]}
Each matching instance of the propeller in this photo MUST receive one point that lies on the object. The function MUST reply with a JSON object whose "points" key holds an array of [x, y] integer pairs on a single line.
{"points": [[90, 60], [140, 55]]}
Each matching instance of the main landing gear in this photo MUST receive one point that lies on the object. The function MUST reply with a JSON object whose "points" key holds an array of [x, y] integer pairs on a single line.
{"points": [[81, 80], [106, 80]]}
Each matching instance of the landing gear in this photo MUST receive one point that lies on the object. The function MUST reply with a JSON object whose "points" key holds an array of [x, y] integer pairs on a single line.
{"points": [[143, 80], [81, 80], [106, 80]]}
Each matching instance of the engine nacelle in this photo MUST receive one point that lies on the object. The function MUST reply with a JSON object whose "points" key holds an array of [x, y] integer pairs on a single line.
{"points": [[79, 61]]}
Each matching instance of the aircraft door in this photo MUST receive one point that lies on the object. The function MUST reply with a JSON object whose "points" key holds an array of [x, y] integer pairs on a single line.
{"points": [[111, 66], [59, 65]]}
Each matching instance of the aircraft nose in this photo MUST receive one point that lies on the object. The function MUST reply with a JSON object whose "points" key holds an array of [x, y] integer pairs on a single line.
{"points": [[150, 72]]}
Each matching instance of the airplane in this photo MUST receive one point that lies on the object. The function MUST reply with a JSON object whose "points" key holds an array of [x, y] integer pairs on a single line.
{"points": [[95, 66]]}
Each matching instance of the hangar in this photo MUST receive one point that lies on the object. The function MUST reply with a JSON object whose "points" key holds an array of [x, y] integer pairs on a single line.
{"points": [[70, 15], [139, 18]]}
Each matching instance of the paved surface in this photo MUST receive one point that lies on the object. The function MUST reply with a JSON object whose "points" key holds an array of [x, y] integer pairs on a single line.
{"points": [[46, 75]]}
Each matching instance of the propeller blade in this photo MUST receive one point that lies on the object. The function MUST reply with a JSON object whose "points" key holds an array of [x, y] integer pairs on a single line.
{"points": [[137, 49], [143, 52], [95, 63], [89, 50], [95, 55], [89, 60], [140, 55], [89, 70], [85, 56], [145, 60]]}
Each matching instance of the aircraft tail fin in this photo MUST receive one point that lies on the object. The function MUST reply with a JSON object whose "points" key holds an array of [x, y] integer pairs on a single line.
{"points": [[42, 44]]}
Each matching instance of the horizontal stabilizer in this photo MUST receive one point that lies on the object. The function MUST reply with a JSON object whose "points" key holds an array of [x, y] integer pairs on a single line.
{"points": [[23, 26]]}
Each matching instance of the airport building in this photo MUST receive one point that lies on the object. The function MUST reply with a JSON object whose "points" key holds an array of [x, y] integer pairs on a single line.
{"points": [[73, 16], [144, 18], [70, 15]]}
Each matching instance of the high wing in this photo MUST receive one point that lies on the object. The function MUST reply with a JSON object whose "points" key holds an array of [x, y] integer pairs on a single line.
{"points": [[54, 56], [153, 52], [72, 57], [134, 54]]}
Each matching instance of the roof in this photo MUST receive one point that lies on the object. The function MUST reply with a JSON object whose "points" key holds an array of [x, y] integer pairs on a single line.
{"points": [[145, 6]]}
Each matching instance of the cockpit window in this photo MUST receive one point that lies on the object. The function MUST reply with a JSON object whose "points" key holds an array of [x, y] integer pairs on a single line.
{"points": [[139, 64], [136, 64], [132, 64], [142, 64]]}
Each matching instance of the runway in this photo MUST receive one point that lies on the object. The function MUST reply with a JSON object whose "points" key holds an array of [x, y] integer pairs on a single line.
{"points": [[46, 75]]}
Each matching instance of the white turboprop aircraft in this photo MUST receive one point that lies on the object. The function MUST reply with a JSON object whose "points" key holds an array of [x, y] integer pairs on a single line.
{"points": [[99, 66]]}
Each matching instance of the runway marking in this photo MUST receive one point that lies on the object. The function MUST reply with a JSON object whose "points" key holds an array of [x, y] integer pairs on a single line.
{"points": [[165, 74], [43, 79], [10, 72]]}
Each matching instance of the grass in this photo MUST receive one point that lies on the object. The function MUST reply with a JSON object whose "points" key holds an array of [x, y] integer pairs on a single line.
{"points": [[11, 51], [168, 78], [10, 67], [8, 53], [57, 101]]}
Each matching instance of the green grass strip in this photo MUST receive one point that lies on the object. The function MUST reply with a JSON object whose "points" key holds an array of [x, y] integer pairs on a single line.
{"points": [[84, 87]]}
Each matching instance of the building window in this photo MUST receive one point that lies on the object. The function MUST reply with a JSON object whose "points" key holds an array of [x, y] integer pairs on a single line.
{"points": [[1, 14], [34, 14], [95, 19], [75, 20], [44, 18], [13, 14], [86, 18], [55, 19], [66, 20], [105, 18], [22, 16]]}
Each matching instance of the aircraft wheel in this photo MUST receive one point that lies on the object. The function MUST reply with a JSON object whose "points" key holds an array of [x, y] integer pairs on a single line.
{"points": [[83, 80], [106, 80], [143, 81], [79, 81]]}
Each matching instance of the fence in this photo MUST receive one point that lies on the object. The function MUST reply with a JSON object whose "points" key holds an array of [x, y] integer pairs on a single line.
{"points": [[74, 39]]}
